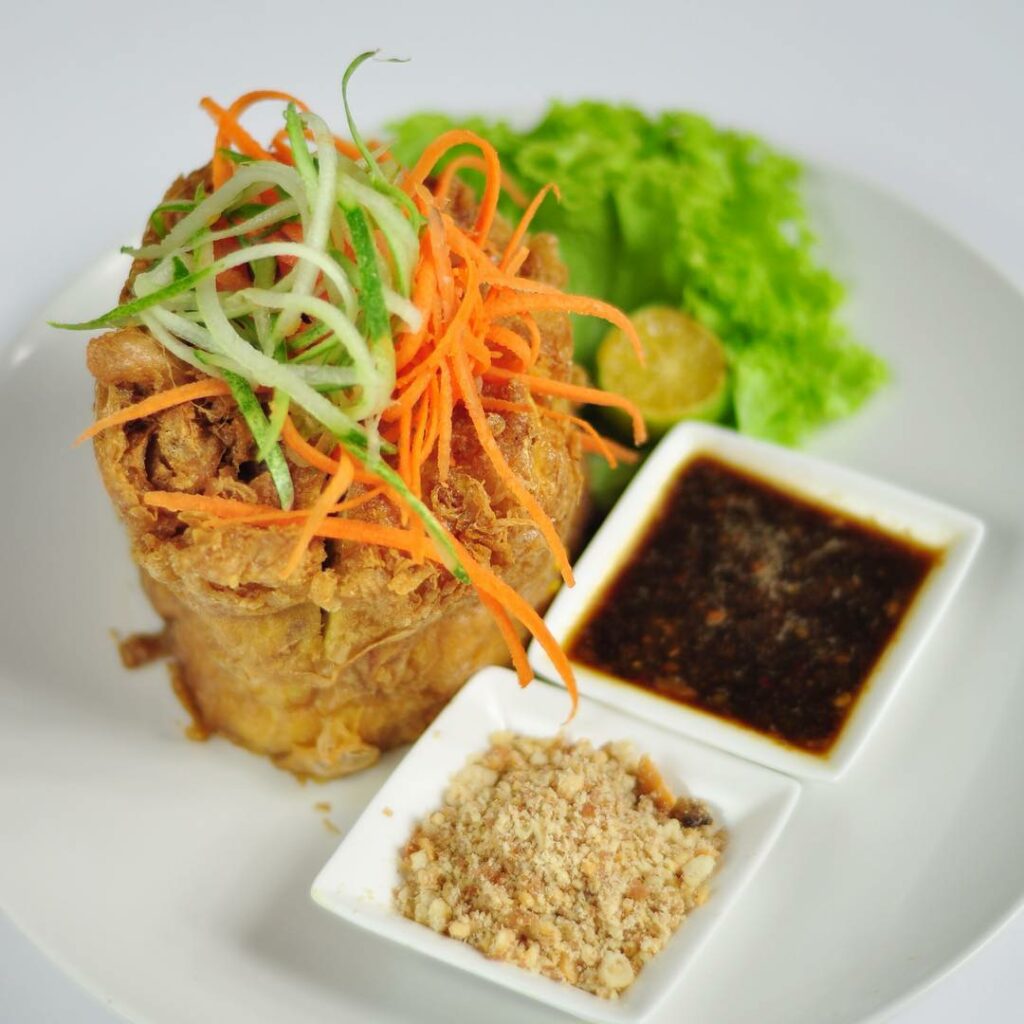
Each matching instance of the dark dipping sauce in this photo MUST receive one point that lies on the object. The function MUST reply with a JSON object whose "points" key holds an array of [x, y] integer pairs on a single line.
{"points": [[754, 605]]}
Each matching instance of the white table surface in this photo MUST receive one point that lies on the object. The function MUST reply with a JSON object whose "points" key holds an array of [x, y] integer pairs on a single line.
{"points": [[99, 102]]}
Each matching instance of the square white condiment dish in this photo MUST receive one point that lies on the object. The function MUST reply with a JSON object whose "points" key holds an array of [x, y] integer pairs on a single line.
{"points": [[879, 504], [357, 883]]}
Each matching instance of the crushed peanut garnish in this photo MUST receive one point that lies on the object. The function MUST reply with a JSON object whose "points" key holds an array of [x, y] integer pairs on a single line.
{"points": [[574, 862]]}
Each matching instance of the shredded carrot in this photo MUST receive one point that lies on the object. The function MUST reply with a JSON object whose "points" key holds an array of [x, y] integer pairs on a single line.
{"points": [[502, 405], [405, 444], [603, 445], [348, 149], [524, 222], [234, 132], [534, 332], [447, 411], [513, 343], [209, 388], [471, 400], [440, 257], [470, 161], [368, 533], [492, 187], [455, 332], [487, 582], [433, 430], [301, 447], [227, 126], [336, 487], [591, 439], [223, 508], [576, 393], [421, 542], [296, 515], [518, 260], [424, 298], [467, 327], [419, 434], [351, 150], [505, 305], [477, 348], [511, 638]]}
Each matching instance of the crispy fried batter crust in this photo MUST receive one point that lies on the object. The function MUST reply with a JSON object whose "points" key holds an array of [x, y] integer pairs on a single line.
{"points": [[361, 647]]}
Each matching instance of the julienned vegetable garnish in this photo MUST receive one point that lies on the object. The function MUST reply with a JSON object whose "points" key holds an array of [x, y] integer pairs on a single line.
{"points": [[335, 298]]}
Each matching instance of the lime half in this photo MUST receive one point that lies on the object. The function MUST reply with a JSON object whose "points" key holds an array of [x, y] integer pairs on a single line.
{"points": [[685, 376]]}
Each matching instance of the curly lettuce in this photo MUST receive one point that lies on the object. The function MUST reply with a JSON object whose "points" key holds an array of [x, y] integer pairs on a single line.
{"points": [[672, 209]]}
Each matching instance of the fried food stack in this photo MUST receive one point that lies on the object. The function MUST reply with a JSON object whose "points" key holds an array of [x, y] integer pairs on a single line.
{"points": [[359, 649]]}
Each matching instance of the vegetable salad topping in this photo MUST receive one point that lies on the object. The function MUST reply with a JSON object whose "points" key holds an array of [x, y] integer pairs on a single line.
{"points": [[670, 209], [334, 296]]}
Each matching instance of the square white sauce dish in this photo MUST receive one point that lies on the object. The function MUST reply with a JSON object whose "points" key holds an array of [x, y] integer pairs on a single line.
{"points": [[759, 599], [359, 882]]}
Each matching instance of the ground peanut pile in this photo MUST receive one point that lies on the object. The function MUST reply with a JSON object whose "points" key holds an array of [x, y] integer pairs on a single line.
{"points": [[574, 862]]}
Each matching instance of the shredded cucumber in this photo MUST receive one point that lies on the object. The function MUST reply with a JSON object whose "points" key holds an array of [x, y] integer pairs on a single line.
{"points": [[376, 321], [318, 229], [247, 182], [403, 241], [256, 419], [373, 169], [373, 399], [127, 311], [403, 308], [279, 406], [186, 353], [270, 215], [300, 151]]}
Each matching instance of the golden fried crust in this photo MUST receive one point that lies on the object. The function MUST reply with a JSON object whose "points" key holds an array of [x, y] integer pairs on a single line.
{"points": [[361, 646]]}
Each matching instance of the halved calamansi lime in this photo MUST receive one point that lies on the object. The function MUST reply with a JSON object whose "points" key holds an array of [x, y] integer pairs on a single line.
{"points": [[685, 375]]}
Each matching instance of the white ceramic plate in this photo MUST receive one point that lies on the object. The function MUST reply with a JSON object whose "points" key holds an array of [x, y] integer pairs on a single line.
{"points": [[172, 878], [752, 803], [869, 500]]}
